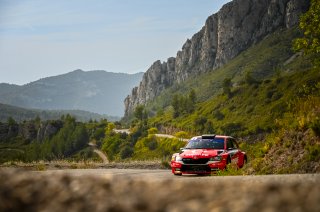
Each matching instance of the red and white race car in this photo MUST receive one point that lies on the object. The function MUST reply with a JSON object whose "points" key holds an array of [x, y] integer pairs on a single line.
{"points": [[206, 154]]}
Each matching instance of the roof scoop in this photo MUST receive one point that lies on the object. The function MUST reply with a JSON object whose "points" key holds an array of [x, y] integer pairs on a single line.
{"points": [[208, 136]]}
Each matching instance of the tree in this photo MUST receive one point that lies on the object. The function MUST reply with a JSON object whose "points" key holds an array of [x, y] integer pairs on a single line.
{"points": [[126, 152], [226, 86], [110, 127], [183, 104], [310, 25], [176, 105], [152, 130], [139, 112], [199, 123], [248, 78], [11, 121], [192, 96]]}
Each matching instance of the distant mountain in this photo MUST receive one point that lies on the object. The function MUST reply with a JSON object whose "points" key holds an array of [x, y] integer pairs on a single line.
{"points": [[95, 91], [21, 114]]}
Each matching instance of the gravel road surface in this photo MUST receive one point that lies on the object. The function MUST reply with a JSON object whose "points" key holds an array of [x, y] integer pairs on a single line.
{"points": [[154, 190]]}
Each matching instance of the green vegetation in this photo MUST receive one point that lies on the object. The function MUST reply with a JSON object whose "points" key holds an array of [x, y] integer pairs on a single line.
{"points": [[268, 97], [310, 25], [70, 138], [141, 144], [21, 114], [152, 147], [245, 96]]}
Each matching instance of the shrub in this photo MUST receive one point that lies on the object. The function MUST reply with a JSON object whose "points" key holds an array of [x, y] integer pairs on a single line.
{"points": [[126, 152], [218, 115], [182, 134], [152, 145], [315, 126], [152, 130]]}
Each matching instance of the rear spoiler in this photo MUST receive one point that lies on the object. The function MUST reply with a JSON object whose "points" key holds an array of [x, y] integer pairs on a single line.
{"points": [[208, 136]]}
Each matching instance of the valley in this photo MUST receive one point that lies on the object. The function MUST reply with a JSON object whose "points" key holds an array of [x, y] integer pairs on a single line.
{"points": [[257, 86]]}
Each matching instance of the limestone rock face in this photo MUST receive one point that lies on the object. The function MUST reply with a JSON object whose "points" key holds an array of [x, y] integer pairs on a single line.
{"points": [[48, 129], [8, 131], [30, 131], [237, 26]]}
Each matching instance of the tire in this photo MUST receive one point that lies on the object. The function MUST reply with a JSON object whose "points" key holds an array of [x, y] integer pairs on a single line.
{"points": [[245, 161], [177, 174], [228, 160]]}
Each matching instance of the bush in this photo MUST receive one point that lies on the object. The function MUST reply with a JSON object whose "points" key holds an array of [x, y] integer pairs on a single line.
{"points": [[152, 145], [152, 130], [126, 152], [315, 126], [218, 115], [182, 134]]}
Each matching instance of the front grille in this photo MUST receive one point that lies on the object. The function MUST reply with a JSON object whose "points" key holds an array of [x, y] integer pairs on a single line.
{"points": [[195, 161], [196, 168]]}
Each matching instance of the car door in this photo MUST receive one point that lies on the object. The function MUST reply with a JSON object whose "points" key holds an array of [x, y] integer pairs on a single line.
{"points": [[233, 151]]}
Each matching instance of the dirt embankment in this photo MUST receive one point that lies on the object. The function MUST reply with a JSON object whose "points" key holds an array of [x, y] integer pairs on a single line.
{"points": [[27, 191]]}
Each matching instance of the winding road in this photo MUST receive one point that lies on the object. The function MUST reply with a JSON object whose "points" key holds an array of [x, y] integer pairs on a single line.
{"points": [[163, 175]]}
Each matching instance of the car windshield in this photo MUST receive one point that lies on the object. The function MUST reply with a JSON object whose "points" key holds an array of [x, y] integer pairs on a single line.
{"points": [[199, 143]]}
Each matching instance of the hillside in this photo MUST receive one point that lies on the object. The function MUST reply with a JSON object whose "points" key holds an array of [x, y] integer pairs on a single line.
{"points": [[271, 104], [238, 25], [78, 90], [263, 79]]}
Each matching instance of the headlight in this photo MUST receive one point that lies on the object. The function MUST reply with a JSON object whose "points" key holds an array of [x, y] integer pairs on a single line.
{"points": [[216, 158], [176, 158]]}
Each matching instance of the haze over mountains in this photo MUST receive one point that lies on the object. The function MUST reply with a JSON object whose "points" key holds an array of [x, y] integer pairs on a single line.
{"points": [[95, 91]]}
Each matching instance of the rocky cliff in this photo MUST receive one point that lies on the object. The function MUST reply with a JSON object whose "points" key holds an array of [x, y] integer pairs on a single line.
{"points": [[237, 26], [29, 131]]}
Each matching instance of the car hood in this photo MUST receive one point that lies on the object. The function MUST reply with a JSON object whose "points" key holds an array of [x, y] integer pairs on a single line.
{"points": [[200, 153]]}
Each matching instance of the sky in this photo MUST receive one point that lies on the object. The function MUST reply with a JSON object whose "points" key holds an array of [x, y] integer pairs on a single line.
{"points": [[42, 38]]}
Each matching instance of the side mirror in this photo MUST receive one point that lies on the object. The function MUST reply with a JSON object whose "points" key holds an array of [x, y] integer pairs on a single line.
{"points": [[182, 149]]}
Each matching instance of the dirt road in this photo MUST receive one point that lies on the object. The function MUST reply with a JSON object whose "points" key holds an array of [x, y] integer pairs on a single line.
{"points": [[99, 153], [154, 190]]}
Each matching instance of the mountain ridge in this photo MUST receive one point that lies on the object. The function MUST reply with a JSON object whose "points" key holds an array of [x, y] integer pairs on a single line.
{"points": [[238, 25], [77, 90], [20, 114]]}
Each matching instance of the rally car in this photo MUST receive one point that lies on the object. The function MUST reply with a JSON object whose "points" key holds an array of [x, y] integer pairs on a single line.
{"points": [[207, 154]]}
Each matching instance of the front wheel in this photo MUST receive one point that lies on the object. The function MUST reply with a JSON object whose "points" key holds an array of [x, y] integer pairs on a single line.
{"points": [[245, 161], [227, 163], [177, 174]]}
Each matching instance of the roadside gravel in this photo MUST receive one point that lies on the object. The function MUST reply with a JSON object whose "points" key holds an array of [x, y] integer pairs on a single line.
{"points": [[66, 191]]}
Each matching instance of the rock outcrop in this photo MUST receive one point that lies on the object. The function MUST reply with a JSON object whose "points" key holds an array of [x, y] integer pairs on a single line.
{"points": [[48, 129], [30, 131], [237, 26]]}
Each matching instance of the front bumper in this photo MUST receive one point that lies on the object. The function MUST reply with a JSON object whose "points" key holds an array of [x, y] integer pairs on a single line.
{"points": [[211, 167]]}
